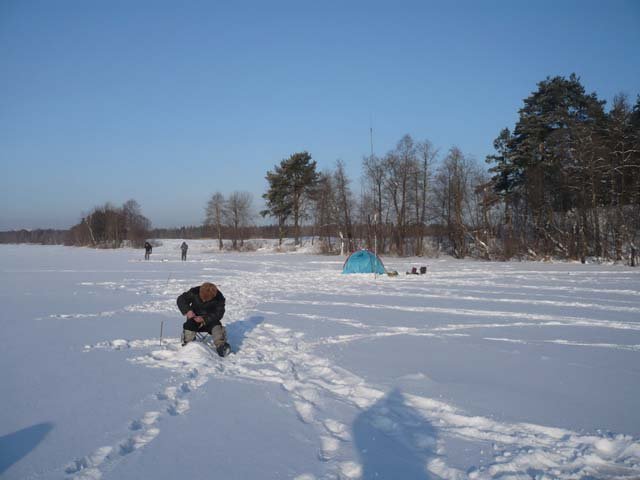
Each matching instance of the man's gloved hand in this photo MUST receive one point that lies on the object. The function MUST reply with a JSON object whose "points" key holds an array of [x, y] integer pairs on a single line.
{"points": [[198, 319]]}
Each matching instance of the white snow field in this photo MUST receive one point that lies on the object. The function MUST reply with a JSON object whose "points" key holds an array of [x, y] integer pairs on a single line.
{"points": [[475, 370]]}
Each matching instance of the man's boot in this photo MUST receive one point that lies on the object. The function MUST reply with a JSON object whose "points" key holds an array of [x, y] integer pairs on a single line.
{"points": [[224, 349], [219, 334], [188, 336]]}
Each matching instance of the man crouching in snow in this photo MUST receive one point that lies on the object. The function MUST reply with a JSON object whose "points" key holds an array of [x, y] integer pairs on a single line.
{"points": [[204, 308]]}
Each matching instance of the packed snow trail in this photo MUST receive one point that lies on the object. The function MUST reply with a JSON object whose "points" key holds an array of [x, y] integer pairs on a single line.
{"points": [[423, 426], [277, 355]]}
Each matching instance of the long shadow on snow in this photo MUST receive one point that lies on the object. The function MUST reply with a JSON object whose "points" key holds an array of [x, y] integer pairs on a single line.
{"points": [[393, 440], [17, 445], [238, 331]]}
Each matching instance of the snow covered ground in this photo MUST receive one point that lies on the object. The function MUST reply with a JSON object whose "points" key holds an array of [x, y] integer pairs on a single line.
{"points": [[474, 370]]}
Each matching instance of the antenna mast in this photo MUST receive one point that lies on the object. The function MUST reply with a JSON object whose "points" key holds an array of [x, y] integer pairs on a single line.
{"points": [[375, 214], [371, 134]]}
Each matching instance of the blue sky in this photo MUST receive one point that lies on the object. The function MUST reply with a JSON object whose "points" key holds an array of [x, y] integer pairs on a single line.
{"points": [[168, 102]]}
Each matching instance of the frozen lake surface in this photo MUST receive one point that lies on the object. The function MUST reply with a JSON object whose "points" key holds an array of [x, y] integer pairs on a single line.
{"points": [[475, 370]]}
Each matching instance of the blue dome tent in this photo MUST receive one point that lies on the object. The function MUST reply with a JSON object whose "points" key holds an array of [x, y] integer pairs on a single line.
{"points": [[363, 261]]}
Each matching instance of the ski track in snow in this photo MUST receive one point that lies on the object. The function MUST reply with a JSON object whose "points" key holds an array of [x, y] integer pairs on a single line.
{"points": [[271, 353]]}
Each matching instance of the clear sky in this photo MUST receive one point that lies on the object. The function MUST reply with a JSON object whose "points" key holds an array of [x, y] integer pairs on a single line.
{"points": [[167, 102]]}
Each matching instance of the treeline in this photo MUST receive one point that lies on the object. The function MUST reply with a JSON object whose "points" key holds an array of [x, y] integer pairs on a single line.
{"points": [[564, 183], [109, 226], [568, 176], [409, 203], [42, 236], [211, 231]]}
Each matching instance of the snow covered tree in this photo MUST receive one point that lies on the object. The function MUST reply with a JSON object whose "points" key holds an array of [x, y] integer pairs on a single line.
{"points": [[623, 173]]}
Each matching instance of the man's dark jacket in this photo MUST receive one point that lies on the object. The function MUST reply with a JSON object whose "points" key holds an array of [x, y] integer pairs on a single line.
{"points": [[212, 311]]}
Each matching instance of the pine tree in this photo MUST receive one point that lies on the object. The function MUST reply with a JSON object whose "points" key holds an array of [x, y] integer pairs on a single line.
{"points": [[546, 167], [290, 184]]}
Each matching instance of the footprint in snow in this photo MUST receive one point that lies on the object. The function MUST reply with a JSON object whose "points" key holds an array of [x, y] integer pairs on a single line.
{"points": [[148, 419], [90, 462], [337, 429], [329, 446], [137, 441]]}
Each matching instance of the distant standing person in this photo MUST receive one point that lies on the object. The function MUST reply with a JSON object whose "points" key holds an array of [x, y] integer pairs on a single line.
{"points": [[184, 247], [147, 250], [203, 307]]}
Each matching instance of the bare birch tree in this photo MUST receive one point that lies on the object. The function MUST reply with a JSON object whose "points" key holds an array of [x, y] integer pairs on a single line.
{"points": [[214, 215], [237, 215]]}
